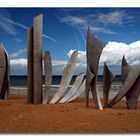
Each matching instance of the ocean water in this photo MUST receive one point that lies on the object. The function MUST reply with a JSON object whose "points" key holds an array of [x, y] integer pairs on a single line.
{"points": [[19, 84], [21, 81]]}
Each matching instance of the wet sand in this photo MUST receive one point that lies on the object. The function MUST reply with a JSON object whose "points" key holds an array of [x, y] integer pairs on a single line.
{"points": [[16, 116]]}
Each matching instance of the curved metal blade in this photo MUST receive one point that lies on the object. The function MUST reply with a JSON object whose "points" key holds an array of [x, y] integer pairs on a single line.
{"points": [[48, 76], [130, 87], [107, 80], [80, 91], [73, 89], [66, 78], [94, 50]]}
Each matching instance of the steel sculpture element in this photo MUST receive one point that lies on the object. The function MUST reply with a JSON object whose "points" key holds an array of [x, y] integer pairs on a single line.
{"points": [[99, 101], [131, 89], [8, 75], [4, 73], [94, 50], [66, 78], [38, 27], [125, 68], [35, 61], [73, 89], [30, 95], [107, 81], [48, 76], [80, 90]]}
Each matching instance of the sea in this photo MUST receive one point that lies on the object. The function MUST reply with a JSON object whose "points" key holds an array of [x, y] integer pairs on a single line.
{"points": [[21, 81], [18, 84]]}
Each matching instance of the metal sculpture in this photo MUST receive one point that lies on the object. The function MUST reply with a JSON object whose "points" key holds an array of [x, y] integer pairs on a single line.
{"points": [[66, 78], [80, 90], [107, 80], [30, 95], [73, 89], [4, 73], [38, 27], [94, 50], [124, 69], [131, 89], [35, 61], [99, 101], [48, 76], [8, 75]]}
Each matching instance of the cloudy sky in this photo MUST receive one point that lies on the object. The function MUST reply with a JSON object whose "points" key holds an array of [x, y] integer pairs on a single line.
{"points": [[65, 31]]}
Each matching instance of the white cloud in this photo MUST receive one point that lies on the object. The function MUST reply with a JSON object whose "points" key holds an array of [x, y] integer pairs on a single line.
{"points": [[99, 20], [18, 53], [18, 66], [73, 20], [102, 30], [18, 62], [23, 62], [112, 54], [58, 62], [115, 18], [83, 22], [81, 56]]}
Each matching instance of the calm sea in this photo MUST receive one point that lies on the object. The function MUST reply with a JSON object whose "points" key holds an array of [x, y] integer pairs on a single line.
{"points": [[22, 80], [19, 84]]}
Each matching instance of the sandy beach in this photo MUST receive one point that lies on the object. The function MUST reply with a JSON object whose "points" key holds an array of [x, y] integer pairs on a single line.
{"points": [[16, 116]]}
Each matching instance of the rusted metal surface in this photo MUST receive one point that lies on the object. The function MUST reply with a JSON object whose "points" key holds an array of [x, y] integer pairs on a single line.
{"points": [[131, 89], [30, 95], [74, 88], [37, 63], [94, 50], [48, 76], [66, 78], [107, 80]]}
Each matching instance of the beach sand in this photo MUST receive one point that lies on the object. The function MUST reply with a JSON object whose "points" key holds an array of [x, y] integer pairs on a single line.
{"points": [[16, 116]]}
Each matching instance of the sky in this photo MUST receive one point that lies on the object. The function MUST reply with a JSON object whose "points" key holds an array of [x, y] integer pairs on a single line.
{"points": [[65, 29]]}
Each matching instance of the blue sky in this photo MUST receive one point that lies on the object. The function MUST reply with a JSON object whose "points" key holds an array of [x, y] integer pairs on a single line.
{"points": [[64, 30]]}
